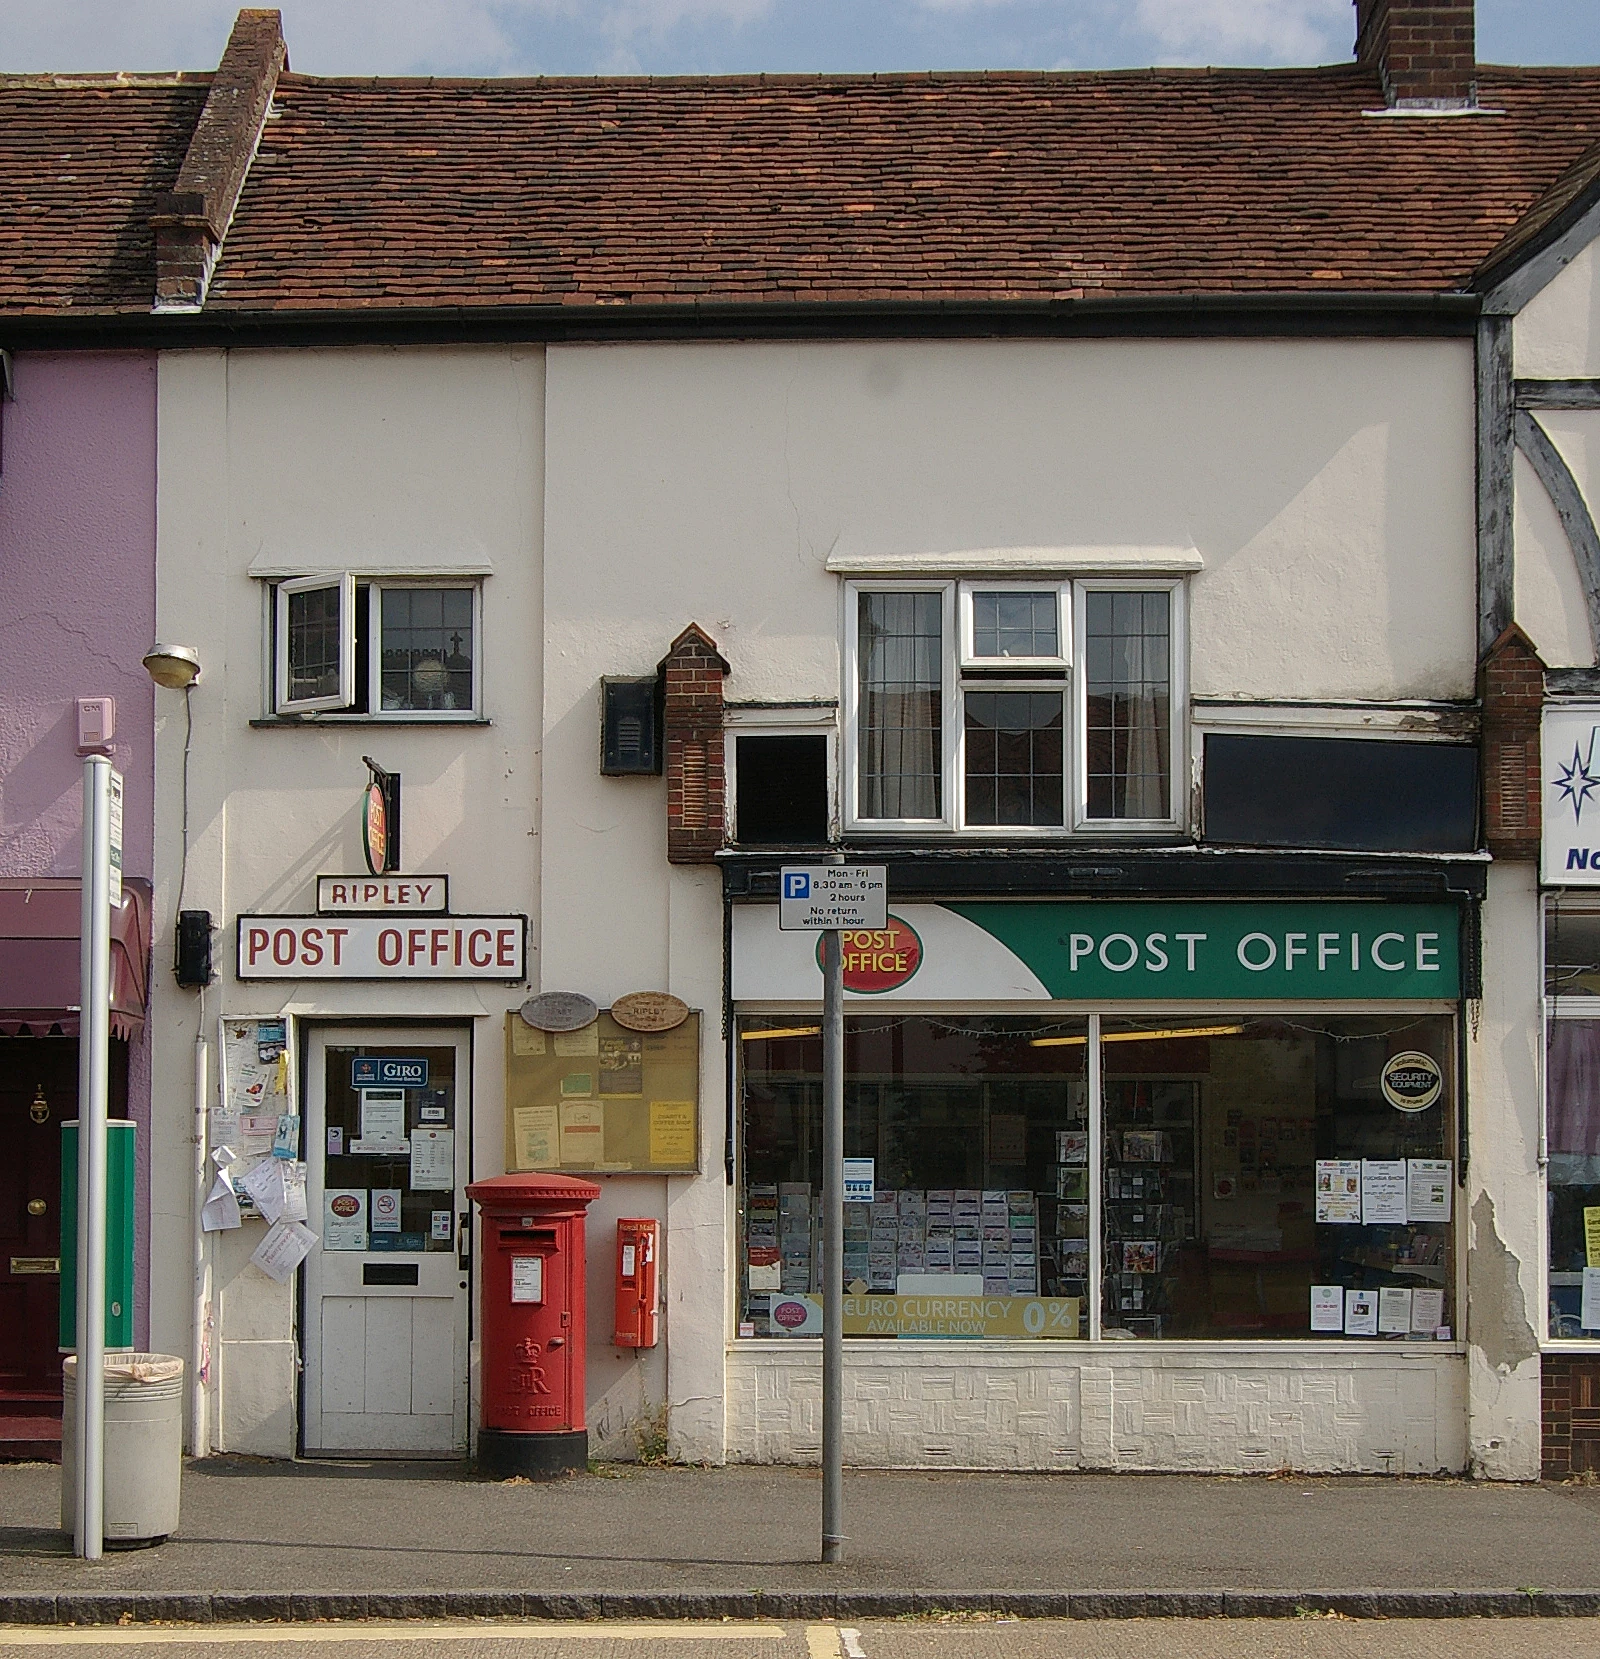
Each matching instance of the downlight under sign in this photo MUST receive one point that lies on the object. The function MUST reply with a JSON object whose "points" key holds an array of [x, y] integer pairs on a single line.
{"points": [[1570, 787]]}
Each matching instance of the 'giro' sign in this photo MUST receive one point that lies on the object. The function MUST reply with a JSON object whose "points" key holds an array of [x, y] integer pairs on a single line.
{"points": [[383, 947]]}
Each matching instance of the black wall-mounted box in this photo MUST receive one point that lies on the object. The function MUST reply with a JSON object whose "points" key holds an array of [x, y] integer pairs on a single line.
{"points": [[630, 727], [192, 959]]}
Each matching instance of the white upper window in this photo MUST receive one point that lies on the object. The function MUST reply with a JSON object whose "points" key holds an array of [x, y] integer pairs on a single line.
{"points": [[1025, 706], [377, 648]]}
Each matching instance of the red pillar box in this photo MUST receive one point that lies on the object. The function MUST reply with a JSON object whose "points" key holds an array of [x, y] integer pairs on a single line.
{"points": [[533, 1325]]}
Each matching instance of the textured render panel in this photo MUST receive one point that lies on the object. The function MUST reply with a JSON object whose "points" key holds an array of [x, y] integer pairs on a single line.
{"points": [[1007, 1408], [257, 1399], [1558, 333]]}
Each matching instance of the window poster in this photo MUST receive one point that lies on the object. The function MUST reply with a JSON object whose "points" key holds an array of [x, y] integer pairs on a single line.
{"points": [[1327, 1307], [433, 1160], [383, 1122], [344, 1218], [1428, 1183], [1591, 1237], [1361, 1313], [1394, 1310], [1427, 1311], [1589, 1307], [1339, 1190], [1383, 1191]]}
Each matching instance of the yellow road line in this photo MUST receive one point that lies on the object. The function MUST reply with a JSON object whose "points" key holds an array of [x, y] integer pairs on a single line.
{"points": [[822, 1641], [166, 1635]]}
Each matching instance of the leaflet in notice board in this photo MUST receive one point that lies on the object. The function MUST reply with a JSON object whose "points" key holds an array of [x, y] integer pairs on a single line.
{"points": [[603, 1098]]}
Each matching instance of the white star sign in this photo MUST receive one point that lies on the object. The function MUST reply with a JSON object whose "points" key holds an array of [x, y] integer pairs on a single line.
{"points": [[1570, 854], [1578, 781]]}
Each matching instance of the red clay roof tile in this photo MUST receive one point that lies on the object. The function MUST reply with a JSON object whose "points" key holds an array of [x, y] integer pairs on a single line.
{"points": [[433, 193]]}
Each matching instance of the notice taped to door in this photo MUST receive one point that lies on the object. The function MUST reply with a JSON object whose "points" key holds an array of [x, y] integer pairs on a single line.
{"points": [[604, 1099]]}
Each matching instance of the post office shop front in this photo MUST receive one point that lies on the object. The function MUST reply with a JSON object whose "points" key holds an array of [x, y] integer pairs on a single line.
{"points": [[1155, 1183]]}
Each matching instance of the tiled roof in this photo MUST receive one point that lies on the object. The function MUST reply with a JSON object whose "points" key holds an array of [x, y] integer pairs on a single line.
{"points": [[410, 193], [81, 160], [908, 187]]}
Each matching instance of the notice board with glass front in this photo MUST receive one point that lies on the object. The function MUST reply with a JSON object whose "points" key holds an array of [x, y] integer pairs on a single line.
{"points": [[603, 1098]]}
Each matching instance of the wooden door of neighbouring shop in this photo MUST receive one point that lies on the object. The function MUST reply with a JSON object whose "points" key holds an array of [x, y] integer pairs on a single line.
{"points": [[384, 1326], [38, 1093]]}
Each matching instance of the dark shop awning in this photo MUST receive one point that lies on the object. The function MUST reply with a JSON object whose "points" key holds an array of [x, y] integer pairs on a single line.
{"points": [[39, 957]]}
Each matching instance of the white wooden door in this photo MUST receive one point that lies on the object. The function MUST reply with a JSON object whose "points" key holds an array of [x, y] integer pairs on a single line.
{"points": [[384, 1329]]}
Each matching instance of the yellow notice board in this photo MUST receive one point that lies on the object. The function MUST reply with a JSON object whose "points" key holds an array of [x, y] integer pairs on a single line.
{"points": [[603, 1098]]}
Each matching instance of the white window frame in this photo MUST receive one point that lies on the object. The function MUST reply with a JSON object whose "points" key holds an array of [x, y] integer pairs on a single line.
{"points": [[339, 708], [1178, 723], [283, 703], [958, 661], [1063, 591], [949, 704], [375, 587], [778, 720]]}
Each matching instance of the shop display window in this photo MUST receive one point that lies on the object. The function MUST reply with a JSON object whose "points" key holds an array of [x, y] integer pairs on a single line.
{"points": [[1572, 1116], [1242, 1176], [978, 1129], [1278, 1176]]}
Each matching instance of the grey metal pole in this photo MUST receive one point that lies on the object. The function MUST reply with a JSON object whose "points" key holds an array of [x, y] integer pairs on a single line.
{"points": [[832, 1246], [94, 972]]}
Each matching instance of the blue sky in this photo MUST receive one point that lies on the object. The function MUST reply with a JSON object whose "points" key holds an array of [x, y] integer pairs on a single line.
{"points": [[502, 37]]}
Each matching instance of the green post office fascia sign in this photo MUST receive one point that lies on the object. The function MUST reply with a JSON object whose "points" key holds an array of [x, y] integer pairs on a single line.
{"points": [[1277, 951]]}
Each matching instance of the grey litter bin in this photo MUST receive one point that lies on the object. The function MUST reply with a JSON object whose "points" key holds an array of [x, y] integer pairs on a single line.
{"points": [[143, 1447]]}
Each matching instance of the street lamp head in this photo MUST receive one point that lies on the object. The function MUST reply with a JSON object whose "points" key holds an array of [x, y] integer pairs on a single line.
{"points": [[175, 666]]}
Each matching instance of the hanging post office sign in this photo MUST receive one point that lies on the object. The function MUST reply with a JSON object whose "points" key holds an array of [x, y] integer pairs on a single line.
{"points": [[383, 947], [1570, 758]]}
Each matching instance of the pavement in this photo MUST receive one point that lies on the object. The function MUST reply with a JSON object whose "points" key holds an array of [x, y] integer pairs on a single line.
{"points": [[315, 1540]]}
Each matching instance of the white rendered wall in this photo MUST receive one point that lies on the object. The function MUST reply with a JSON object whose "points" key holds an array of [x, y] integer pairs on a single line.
{"points": [[377, 460], [1558, 331], [1328, 487], [1332, 1408], [1550, 603], [1503, 1199]]}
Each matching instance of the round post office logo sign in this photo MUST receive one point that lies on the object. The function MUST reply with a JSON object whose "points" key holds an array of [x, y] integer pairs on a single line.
{"points": [[346, 1205], [375, 828], [1411, 1082], [791, 1315], [878, 959]]}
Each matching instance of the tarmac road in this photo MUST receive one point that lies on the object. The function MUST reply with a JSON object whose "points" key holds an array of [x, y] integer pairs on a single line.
{"points": [[953, 1638]]}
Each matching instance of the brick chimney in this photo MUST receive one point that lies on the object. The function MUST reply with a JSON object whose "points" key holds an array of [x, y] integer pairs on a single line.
{"points": [[692, 717], [1423, 51], [191, 219], [1511, 686]]}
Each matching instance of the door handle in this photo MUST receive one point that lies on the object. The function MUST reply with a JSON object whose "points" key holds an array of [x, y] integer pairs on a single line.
{"points": [[464, 1240]]}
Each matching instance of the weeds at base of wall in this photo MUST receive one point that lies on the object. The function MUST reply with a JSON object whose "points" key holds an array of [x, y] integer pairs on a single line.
{"points": [[651, 1434]]}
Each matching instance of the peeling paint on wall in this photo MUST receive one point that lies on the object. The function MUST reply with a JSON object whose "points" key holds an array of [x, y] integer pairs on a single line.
{"points": [[1500, 1328]]}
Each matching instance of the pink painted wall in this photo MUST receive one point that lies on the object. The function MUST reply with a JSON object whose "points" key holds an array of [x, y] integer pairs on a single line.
{"points": [[77, 611], [77, 597]]}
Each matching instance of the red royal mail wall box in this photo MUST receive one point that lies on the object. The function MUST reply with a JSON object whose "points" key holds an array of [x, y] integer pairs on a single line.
{"points": [[533, 1324]]}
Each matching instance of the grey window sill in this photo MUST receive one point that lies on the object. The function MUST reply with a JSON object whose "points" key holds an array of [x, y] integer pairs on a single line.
{"points": [[304, 722]]}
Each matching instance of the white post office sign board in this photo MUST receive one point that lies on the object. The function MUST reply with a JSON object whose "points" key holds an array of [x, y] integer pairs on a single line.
{"points": [[1570, 758], [383, 947]]}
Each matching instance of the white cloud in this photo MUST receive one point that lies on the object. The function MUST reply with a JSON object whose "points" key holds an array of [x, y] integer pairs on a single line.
{"points": [[1249, 31], [343, 37]]}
